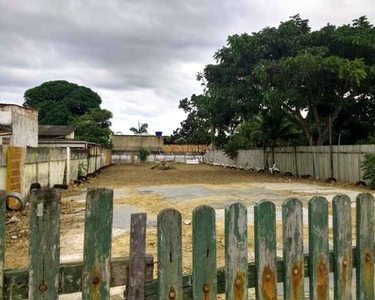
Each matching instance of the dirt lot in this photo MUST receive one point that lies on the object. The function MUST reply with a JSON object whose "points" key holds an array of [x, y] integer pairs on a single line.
{"points": [[138, 188]]}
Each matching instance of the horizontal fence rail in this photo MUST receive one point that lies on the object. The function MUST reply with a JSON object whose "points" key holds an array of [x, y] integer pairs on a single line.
{"points": [[46, 278]]}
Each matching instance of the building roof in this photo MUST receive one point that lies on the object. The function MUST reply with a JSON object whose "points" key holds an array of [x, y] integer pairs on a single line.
{"points": [[63, 143], [7, 105], [48, 131], [139, 135]]}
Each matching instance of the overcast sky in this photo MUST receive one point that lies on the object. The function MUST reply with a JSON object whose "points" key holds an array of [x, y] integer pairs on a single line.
{"points": [[140, 56]]}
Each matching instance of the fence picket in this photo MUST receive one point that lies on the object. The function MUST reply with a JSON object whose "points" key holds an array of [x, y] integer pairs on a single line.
{"points": [[236, 251], [265, 250], [318, 249], [137, 254], [342, 247], [2, 241], [169, 255], [97, 244], [365, 247], [293, 249], [44, 244], [204, 253]]}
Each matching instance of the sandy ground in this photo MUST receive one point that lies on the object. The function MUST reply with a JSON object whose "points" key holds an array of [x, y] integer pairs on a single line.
{"points": [[140, 189]]}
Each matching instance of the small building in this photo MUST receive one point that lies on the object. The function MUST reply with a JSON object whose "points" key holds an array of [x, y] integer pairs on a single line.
{"points": [[59, 136], [53, 132], [134, 143], [18, 125]]}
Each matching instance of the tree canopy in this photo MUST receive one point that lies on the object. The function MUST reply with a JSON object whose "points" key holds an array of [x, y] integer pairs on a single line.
{"points": [[317, 78], [196, 128], [95, 127], [63, 103], [60, 102]]}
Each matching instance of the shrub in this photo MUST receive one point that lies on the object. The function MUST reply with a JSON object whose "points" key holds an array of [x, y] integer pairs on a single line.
{"points": [[368, 167], [143, 153]]}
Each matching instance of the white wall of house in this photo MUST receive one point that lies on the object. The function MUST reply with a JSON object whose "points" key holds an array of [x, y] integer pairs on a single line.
{"points": [[23, 123]]}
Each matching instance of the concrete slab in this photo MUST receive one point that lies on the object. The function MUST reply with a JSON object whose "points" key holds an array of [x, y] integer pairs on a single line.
{"points": [[189, 192], [81, 198]]}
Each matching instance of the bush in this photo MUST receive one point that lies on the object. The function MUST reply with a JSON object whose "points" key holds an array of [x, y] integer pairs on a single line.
{"points": [[231, 148], [143, 153], [368, 167]]}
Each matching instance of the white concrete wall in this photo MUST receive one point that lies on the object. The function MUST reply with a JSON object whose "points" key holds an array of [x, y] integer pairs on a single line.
{"points": [[125, 158], [24, 128], [23, 123], [47, 165], [304, 160]]}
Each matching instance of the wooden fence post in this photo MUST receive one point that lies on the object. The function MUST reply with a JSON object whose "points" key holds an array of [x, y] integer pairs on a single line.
{"points": [[265, 250], [293, 249], [169, 255], [137, 264], [204, 253], [2, 241], [97, 244], [236, 251], [365, 247], [44, 247], [318, 249], [342, 247]]}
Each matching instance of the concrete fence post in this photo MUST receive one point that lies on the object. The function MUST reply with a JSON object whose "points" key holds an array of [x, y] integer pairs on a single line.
{"points": [[67, 165]]}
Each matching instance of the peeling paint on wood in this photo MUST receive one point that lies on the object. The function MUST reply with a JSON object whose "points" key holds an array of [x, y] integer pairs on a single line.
{"points": [[204, 253], [169, 255], [342, 247], [265, 250], [137, 267], [292, 216], [318, 249], [236, 251], [365, 247], [44, 247], [16, 280], [96, 273]]}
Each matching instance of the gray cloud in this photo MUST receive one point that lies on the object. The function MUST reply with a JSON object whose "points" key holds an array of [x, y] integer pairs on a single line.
{"points": [[140, 56]]}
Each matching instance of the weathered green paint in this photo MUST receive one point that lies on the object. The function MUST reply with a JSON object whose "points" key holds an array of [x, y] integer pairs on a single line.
{"points": [[265, 250], [318, 249], [2, 241], [169, 255], [365, 247], [96, 273], [44, 244], [137, 253], [342, 247], [293, 249], [204, 253], [151, 288], [236, 251], [16, 280]]}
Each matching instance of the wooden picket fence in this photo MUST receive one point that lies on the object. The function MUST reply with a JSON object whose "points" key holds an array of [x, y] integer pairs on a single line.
{"points": [[46, 278]]}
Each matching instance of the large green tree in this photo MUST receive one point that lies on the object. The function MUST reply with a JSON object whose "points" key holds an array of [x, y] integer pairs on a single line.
{"points": [[314, 76], [95, 127], [196, 128], [60, 102], [64, 103]]}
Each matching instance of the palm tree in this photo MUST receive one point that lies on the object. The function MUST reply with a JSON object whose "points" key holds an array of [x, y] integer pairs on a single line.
{"points": [[272, 126], [142, 128]]}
